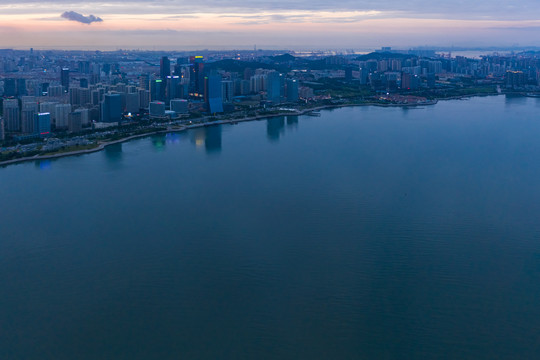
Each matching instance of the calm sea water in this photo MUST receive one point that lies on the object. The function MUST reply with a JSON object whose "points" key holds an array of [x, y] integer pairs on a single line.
{"points": [[366, 233]]}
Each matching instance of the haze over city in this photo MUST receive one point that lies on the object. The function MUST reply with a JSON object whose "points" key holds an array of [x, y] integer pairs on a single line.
{"points": [[144, 24]]}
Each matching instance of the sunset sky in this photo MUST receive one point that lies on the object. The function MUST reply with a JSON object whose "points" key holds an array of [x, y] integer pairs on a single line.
{"points": [[215, 24]]}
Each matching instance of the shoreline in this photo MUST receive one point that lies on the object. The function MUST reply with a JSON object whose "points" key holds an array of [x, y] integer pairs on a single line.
{"points": [[181, 128]]}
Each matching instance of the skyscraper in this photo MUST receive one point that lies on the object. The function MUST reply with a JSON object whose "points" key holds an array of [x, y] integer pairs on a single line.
{"points": [[173, 88], [74, 96], [12, 115], [409, 81], [21, 87], [164, 68], [196, 76], [75, 122], [85, 116], [132, 102], [144, 98], [29, 110], [157, 90], [111, 108], [10, 87], [213, 94], [2, 132], [64, 79], [180, 106], [144, 82], [42, 124], [157, 109], [62, 112], [274, 87], [55, 91], [227, 89], [292, 90]]}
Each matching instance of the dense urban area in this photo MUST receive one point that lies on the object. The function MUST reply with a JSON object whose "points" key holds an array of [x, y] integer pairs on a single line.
{"points": [[63, 102]]}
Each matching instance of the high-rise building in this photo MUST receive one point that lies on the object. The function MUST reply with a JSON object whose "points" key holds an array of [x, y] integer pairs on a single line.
{"points": [[44, 89], [10, 87], [85, 116], [11, 115], [396, 65], [2, 131], [349, 72], [42, 124], [292, 90], [64, 78], [144, 82], [227, 91], [274, 87], [213, 94], [75, 122], [95, 73], [56, 91], [174, 89], [515, 79], [84, 67], [62, 115], [111, 108], [164, 68], [95, 97], [157, 109], [180, 106], [196, 76], [257, 83], [21, 87], [132, 102], [84, 96], [74, 96], [144, 98], [29, 110], [48, 107], [157, 90], [409, 81]]}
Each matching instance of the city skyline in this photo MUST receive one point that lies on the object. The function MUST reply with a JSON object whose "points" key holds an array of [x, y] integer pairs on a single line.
{"points": [[238, 24]]}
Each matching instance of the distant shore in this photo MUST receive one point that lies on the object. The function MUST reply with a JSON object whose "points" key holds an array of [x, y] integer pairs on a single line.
{"points": [[180, 128]]}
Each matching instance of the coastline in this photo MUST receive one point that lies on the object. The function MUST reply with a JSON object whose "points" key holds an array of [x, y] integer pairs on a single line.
{"points": [[181, 128]]}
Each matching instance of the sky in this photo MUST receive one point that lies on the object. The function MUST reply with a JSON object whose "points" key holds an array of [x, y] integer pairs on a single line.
{"points": [[280, 24]]}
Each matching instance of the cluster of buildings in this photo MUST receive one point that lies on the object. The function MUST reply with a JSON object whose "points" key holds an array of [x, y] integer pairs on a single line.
{"points": [[53, 91], [59, 91], [193, 86], [397, 70]]}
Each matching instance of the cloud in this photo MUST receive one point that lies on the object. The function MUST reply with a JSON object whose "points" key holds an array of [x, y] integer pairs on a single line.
{"points": [[449, 9], [74, 16]]}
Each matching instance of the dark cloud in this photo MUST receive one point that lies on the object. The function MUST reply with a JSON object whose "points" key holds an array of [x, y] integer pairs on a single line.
{"points": [[74, 16]]}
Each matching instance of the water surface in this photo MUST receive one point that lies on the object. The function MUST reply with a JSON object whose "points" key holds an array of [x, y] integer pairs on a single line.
{"points": [[366, 233]]}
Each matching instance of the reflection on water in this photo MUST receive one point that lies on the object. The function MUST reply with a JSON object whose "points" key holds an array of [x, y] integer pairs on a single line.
{"points": [[213, 139], [158, 142], [197, 136], [113, 152], [292, 121], [275, 127], [515, 99], [209, 137], [172, 138], [43, 164]]}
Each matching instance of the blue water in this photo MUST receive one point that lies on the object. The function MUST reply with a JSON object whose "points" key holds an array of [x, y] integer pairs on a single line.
{"points": [[366, 233]]}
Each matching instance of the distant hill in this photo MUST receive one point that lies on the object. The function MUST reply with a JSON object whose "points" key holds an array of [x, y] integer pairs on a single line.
{"points": [[237, 65], [283, 58]]}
